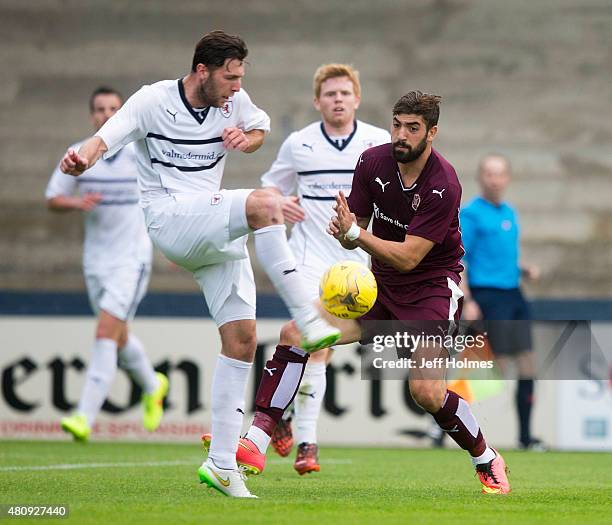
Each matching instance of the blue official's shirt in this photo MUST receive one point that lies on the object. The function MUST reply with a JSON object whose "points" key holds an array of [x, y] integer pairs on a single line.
{"points": [[490, 236]]}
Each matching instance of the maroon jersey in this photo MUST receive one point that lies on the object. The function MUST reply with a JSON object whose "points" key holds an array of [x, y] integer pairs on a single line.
{"points": [[429, 209]]}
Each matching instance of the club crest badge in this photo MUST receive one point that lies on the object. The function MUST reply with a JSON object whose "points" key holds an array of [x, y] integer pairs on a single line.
{"points": [[416, 200], [227, 109]]}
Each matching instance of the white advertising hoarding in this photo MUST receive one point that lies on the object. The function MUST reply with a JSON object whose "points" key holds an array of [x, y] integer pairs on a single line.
{"points": [[43, 359]]}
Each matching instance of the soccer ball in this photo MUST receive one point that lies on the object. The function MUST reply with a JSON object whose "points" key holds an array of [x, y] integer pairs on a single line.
{"points": [[348, 289]]}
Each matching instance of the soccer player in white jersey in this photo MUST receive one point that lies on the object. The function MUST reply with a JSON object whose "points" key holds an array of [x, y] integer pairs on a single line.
{"points": [[183, 130], [117, 266], [313, 164]]}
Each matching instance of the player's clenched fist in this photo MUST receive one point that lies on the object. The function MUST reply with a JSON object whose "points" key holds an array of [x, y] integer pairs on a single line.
{"points": [[73, 163], [235, 139]]}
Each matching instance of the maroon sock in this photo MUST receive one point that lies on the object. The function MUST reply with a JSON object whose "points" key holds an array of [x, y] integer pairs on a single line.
{"points": [[456, 419], [279, 383]]}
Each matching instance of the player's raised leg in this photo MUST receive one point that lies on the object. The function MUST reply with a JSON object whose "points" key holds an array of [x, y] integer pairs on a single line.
{"points": [[265, 216]]}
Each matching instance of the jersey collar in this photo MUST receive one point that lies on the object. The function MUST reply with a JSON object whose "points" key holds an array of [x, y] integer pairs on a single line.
{"points": [[199, 116], [422, 176], [333, 142]]}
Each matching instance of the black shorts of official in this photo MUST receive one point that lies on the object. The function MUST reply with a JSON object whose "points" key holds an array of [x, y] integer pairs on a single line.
{"points": [[507, 319]]}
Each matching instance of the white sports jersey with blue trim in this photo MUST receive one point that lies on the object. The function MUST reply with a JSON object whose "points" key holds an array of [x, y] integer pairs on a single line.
{"points": [[179, 148], [314, 166], [115, 232]]}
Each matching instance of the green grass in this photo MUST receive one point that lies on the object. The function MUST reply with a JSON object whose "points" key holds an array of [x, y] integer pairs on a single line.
{"points": [[379, 486]]}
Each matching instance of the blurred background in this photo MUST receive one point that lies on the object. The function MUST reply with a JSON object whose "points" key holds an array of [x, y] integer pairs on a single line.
{"points": [[527, 79]]}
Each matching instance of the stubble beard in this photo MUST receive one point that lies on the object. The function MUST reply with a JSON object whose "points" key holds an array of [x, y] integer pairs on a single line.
{"points": [[207, 94]]}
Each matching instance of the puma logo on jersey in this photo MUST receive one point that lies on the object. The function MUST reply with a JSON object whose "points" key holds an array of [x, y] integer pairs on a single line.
{"points": [[439, 192], [287, 272], [173, 115], [270, 370], [309, 146], [382, 185], [454, 429]]}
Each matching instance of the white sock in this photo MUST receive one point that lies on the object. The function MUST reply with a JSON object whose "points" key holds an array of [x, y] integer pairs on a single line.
{"points": [[487, 455], [308, 403], [276, 258], [259, 437], [227, 404], [100, 374], [134, 360]]}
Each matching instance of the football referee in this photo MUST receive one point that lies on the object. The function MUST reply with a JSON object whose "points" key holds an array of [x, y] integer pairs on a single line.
{"points": [[491, 239]]}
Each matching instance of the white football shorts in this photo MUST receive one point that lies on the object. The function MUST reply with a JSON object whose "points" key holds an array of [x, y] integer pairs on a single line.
{"points": [[119, 290], [206, 233], [198, 229]]}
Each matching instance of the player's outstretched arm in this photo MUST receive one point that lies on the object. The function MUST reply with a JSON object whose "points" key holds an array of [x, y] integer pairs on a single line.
{"points": [[75, 164]]}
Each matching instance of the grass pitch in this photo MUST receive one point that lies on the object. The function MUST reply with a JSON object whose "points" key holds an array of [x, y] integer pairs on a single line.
{"points": [[157, 483]]}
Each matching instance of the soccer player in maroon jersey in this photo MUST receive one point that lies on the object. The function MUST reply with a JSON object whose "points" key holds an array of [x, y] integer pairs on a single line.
{"points": [[415, 244], [414, 195]]}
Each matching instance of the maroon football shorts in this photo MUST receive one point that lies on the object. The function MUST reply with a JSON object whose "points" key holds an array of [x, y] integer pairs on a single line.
{"points": [[433, 300], [420, 305]]}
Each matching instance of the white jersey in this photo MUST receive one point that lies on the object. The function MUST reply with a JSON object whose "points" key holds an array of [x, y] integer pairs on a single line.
{"points": [[179, 148], [115, 232], [315, 167]]}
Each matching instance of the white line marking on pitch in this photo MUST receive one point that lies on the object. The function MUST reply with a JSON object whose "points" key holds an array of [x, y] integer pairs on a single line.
{"points": [[73, 466], [76, 466]]}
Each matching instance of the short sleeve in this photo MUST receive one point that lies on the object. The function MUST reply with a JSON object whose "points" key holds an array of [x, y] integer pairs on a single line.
{"points": [[61, 184], [132, 122], [435, 214], [250, 116], [360, 198], [282, 174]]}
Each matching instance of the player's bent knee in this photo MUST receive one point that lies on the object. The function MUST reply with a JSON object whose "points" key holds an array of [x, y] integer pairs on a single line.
{"points": [[242, 351], [239, 340], [427, 395], [123, 338], [289, 334], [263, 208]]}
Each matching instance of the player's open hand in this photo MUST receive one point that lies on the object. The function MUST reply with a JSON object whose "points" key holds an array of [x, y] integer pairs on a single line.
{"points": [[345, 217], [73, 164], [341, 223], [235, 139], [89, 201], [292, 211]]}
